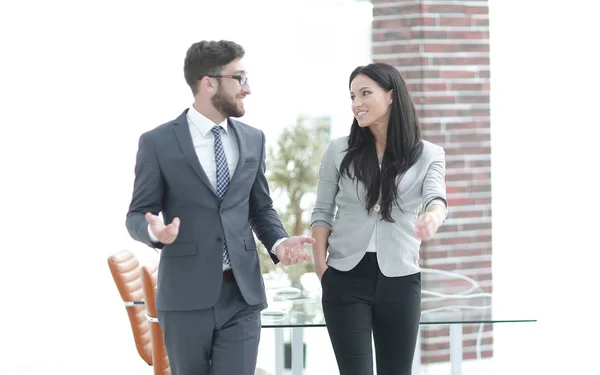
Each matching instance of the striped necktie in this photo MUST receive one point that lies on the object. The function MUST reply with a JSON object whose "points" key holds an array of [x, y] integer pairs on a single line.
{"points": [[222, 177]]}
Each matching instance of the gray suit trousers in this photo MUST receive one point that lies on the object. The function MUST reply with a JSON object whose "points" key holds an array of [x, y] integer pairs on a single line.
{"points": [[220, 340]]}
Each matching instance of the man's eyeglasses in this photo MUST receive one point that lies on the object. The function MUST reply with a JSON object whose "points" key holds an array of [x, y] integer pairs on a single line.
{"points": [[240, 78]]}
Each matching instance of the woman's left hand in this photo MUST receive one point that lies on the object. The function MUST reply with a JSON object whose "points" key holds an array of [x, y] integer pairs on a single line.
{"points": [[427, 226]]}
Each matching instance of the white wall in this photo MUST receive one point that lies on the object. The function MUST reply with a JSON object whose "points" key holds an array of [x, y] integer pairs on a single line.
{"points": [[544, 72]]}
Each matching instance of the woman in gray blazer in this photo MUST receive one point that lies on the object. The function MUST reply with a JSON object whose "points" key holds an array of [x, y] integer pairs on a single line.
{"points": [[381, 192]]}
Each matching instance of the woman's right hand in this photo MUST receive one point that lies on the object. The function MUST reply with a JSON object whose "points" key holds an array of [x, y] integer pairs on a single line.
{"points": [[319, 249], [320, 270]]}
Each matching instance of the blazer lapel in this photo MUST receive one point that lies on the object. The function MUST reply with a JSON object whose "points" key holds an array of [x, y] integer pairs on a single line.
{"points": [[240, 136], [182, 132]]}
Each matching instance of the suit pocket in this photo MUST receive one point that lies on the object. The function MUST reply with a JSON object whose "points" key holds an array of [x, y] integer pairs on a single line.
{"points": [[179, 250], [251, 165], [250, 243]]}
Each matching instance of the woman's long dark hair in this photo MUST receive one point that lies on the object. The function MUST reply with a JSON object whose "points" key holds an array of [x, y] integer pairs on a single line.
{"points": [[402, 150]]}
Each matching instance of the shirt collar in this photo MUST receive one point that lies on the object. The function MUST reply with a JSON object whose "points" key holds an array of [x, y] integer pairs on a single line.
{"points": [[202, 123]]}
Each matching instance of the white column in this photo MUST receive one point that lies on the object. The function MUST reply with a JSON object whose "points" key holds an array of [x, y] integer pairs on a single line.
{"points": [[416, 366], [279, 351], [297, 350], [456, 348]]}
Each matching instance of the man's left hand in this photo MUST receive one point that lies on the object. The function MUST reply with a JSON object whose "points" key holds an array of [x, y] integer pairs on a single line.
{"points": [[291, 251]]}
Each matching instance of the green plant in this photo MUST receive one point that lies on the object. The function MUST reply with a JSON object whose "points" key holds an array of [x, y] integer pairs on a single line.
{"points": [[292, 171]]}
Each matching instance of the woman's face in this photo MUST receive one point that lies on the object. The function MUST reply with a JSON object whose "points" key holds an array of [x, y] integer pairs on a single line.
{"points": [[371, 104]]}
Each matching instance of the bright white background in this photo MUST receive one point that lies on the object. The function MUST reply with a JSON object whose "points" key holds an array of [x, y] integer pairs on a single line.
{"points": [[79, 81]]}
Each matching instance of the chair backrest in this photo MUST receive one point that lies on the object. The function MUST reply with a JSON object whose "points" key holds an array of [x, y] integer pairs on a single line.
{"points": [[124, 267], [160, 360], [260, 371]]}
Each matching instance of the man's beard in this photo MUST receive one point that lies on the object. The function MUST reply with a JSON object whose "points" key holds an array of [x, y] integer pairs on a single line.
{"points": [[226, 105]]}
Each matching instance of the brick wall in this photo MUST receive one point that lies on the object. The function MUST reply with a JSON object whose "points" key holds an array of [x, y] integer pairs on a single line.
{"points": [[442, 50]]}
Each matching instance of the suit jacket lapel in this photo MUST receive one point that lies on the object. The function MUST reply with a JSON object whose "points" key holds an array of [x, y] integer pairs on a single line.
{"points": [[240, 136], [182, 132]]}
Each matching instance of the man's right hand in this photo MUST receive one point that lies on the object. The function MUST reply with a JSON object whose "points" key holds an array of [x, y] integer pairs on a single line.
{"points": [[164, 233]]}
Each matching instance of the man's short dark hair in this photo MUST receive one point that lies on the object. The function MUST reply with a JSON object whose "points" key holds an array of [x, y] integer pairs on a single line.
{"points": [[208, 58]]}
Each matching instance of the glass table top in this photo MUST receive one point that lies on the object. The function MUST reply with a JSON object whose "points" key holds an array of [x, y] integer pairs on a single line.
{"points": [[446, 298]]}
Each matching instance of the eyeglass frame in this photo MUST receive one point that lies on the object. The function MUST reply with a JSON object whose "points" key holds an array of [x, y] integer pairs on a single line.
{"points": [[237, 77]]}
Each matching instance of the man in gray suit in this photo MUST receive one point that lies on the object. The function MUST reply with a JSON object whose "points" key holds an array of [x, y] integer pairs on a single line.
{"points": [[206, 173]]}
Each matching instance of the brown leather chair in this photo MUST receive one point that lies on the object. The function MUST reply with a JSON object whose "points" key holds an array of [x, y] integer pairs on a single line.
{"points": [[149, 272], [125, 270], [260, 371]]}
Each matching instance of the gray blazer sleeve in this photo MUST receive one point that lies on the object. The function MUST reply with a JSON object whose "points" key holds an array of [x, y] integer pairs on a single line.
{"points": [[434, 185], [148, 188], [323, 213]]}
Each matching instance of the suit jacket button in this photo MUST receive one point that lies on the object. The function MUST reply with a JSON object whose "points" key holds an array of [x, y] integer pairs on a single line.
{"points": [[220, 239], [377, 207]]}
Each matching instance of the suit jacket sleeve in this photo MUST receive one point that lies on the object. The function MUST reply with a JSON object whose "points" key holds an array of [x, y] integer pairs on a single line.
{"points": [[434, 185], [263, 218], [148, 188]]}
